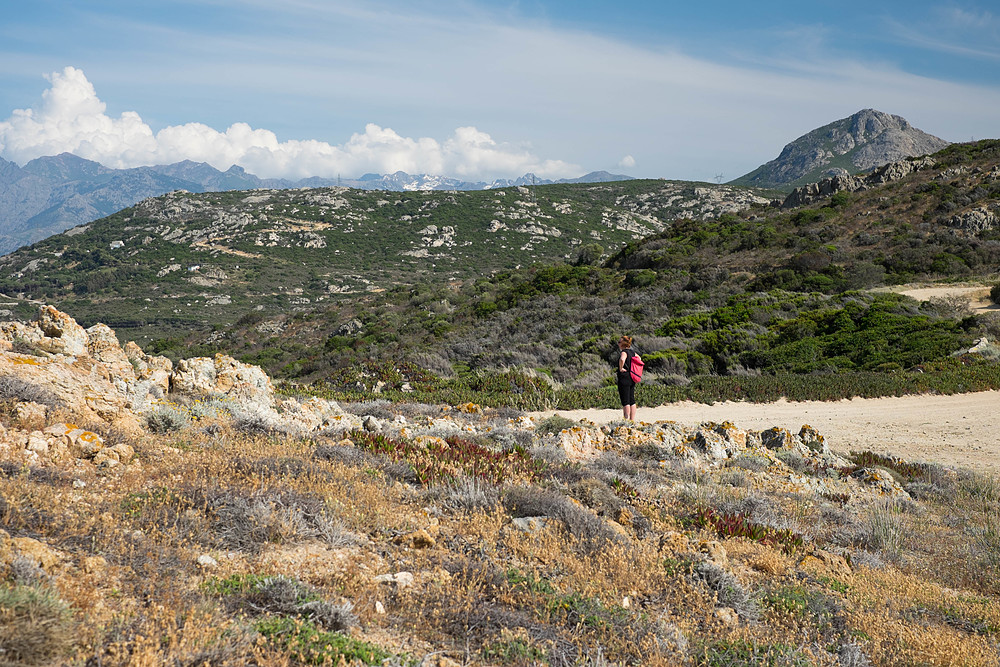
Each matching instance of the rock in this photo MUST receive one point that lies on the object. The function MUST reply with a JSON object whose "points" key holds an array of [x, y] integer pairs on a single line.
{"points": [[379, 608], [977, 220], [711, 444], [418, 539], [38, 553], [400, 579], [223, 375], [102, 345], [880, 481], [94, 564], [157, 370], [860, 142], [715, 552], [30, 414], [811, 439], [38, 443], [531, 524], [776, 438], [206, 562], [727, 615], [82, 386], [60, 333], [350, 328], [583, 444], [371, 424], [81, 443]]}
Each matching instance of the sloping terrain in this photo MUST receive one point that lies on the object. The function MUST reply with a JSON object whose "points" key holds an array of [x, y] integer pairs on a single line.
{"points": [[224, 525], [198, 260], [854, 144]]}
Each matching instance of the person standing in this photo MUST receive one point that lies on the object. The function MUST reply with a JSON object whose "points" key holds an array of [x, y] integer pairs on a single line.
{"points": [[626, 386]]}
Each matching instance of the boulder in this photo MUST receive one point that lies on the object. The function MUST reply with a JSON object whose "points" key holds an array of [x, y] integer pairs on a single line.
{"points": [[60, 333], [223, 375], [102, 345], [156, 370], [83, 386], [977, 220]]}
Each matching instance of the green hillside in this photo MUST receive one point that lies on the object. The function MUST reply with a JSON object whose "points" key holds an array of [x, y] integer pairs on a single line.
{"points": [[184, 260], [356, 294]]}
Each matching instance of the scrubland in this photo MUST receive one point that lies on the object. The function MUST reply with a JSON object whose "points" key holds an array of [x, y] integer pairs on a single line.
{"points": [[464, 536]]}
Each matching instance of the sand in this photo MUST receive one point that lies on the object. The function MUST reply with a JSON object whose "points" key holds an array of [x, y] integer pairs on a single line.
{"points": [[960, 430]]}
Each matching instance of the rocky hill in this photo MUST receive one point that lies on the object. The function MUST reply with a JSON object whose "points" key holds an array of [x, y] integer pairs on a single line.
{"points": [[199, 259], [184, 514], [51, 194], [845, 147]]}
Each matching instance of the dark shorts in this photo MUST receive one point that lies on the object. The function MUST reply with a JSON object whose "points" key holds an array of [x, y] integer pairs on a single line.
{"points": [[626, 389]]}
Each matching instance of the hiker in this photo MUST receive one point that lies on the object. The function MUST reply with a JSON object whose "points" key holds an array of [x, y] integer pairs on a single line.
{"points": [[626, 385]]}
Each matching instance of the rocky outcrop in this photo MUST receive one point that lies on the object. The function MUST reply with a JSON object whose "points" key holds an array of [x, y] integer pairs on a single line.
{"points": [[977, 220], [51, 331], [858, 143], [223, 375], [52, 368], [56, 364], [888, 173]]}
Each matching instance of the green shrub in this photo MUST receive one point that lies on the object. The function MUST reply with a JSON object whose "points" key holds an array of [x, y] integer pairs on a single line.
{"points": [[36, 626], [167, 419], [312, 646], [553, 425]]}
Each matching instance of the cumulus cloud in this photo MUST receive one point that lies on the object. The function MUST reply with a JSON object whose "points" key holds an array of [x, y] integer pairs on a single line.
{"points": [[627, 162], [72, 118]]}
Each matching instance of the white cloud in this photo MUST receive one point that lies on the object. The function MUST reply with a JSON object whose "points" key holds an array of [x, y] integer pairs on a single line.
{"points": [[627, 162], [72, 119]]}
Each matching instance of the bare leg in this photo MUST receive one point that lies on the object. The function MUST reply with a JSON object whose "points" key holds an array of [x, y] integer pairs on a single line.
{"points": [[625, 411], [631, 411]]}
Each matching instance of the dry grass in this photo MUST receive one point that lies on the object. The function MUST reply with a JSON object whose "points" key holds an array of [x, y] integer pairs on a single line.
{"points": [[314, 543]]}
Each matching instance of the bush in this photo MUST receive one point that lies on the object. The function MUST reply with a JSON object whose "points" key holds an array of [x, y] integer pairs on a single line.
{"points": [[13, 388], [312, 646], [554, 425], [167, 419], [995, 294], [728, 590], [282, 595], [36, 627], [526, 501]]}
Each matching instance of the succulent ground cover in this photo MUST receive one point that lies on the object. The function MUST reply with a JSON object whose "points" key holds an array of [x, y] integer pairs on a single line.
{"points": [[436, 535]]}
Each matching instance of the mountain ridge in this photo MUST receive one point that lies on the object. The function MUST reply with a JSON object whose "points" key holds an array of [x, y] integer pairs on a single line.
{"points": [[860, 142], [51, 194]]}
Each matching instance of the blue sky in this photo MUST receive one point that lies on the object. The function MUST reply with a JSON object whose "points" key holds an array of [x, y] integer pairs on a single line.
{"points": [[481, 89]]}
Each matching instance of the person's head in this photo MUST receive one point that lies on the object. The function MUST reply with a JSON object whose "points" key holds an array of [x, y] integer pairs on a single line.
{"points": [[625, 342]]}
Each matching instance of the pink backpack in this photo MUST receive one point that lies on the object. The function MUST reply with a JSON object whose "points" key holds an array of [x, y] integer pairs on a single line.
{"points": [[635, 368]]}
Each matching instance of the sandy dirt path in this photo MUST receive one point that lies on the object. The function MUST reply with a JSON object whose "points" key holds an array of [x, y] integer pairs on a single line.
{"points": [[961, 430]]}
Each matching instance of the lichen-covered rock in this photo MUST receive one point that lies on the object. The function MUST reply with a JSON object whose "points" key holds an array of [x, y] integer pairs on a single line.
{"points": [[776, 438], [83, 386], [223, 375], [584, 444], [102, 345], [711, 444], [312, 414], [157, 370], [880, 481], [60, 333], [812, 440]]}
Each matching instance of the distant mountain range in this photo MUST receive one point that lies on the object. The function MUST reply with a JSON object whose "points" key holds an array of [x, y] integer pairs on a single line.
{"points": [[866, 140], [52, 194]]}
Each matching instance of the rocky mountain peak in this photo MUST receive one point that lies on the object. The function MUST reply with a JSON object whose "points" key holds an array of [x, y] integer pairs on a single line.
{"points": [[863, 141]]}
